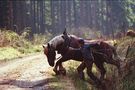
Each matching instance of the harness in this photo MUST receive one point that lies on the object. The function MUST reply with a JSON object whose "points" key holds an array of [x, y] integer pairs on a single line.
{"points": [[66, 45]]}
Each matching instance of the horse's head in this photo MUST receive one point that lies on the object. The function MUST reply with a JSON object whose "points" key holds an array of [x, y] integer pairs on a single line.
{"points": [[49, 51], [58, 43]]}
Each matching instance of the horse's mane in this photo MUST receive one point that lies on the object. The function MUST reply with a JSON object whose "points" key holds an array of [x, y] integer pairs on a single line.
{"points": [[56, 41], [71, 35], [75, 37]]}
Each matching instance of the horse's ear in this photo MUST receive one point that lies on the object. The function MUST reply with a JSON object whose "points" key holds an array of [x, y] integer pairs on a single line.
{"points": [[45, 49], [48, 45], [44, 46], [63, 37], [65, 32]]}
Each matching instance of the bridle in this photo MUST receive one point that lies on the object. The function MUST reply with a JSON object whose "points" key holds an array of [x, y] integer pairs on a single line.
{"points": [[65, 46]]}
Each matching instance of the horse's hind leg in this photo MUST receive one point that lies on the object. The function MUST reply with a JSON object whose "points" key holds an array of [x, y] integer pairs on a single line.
{"points": [[102, 70], [80, 69], [116, 63], [90, 74]]}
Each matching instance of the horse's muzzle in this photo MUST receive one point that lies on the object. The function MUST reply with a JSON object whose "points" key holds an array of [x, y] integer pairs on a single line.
{"points": [[51, 64]]}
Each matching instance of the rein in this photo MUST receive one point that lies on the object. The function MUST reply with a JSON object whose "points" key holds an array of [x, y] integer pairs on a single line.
{"points": [[65, 47], [104, 49]]}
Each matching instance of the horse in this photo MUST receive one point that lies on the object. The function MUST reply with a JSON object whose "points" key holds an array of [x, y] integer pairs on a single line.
{"points": [[58, 44]]}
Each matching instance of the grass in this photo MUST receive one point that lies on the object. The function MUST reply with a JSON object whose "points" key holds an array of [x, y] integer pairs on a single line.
{"points": [[13, 45], [62, 82], [123, 45], [9, 53], [128, 82], [54, 83], [78, 83]]}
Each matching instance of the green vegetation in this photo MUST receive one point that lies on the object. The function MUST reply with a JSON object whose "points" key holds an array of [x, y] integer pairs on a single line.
{"points": [[8, 53], [72, 73], [123, 45], [13, 45], [55, 83], [128, 82]]}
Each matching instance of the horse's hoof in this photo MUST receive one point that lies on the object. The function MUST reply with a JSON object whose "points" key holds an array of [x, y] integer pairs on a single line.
{"points": [[102, 79], [81, 75], [98, 83], [56, 72], [63, 72]]}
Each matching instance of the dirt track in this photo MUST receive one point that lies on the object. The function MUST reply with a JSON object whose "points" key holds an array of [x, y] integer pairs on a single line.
{"points": [[28, 73]]}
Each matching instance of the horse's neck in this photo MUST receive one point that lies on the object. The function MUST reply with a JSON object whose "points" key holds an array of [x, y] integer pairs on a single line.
{"points": [[61, 49], [56, 41]]}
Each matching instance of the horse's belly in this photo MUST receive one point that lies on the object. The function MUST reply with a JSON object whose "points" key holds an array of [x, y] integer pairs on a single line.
{"points": [[78, 56]]}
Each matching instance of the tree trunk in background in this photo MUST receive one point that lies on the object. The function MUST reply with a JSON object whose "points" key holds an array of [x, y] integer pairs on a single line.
{"points": [[69, 16], [107, 18], [102, 27], [6, 16], [32, 18], [38, 15], [10, 15], [42, 28], [53, 19], [75, 14], [55, 15], [63, 15], [90, 14]]}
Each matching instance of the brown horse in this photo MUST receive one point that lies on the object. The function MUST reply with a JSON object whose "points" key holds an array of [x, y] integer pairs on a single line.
{"points": [[101, 50]]}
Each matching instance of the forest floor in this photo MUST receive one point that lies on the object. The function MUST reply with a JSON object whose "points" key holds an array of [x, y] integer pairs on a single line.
{"points": [[31, 73], [34, 73]]}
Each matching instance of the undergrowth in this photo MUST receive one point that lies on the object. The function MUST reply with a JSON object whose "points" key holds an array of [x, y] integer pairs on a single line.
{"points": [[126, 49], [14, 45], [73, 74], [127, 83]]}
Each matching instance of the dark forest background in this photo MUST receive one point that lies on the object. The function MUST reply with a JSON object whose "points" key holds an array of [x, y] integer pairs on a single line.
{"points": [[107, 16]]}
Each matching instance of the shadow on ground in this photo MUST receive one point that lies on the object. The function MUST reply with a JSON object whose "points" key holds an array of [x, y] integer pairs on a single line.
{"points": [[46, 84]]}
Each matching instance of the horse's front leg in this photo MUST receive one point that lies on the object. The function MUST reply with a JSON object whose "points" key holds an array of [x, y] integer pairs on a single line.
{"points": [[61, 68], [80, 69], [102, 70], [55, 69], [116, 63]]}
